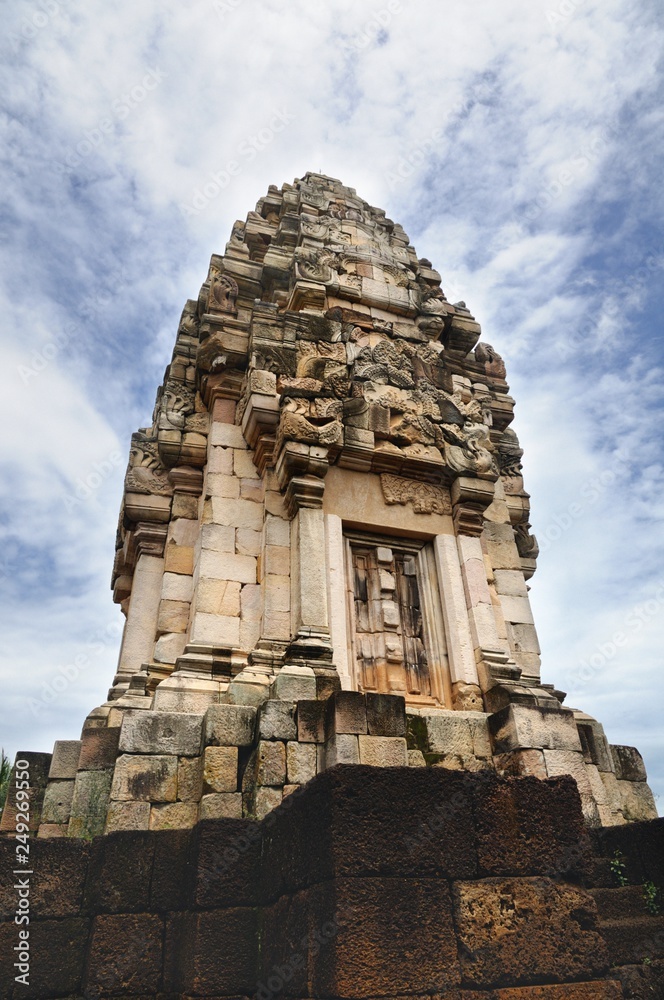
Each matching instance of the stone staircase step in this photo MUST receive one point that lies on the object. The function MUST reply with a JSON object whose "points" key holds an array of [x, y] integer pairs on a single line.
{"points": [[620, 902], [634, 939]]}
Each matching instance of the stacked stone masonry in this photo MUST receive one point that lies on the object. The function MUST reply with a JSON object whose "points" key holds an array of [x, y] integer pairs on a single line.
{"points": [[323, 549], [371, 882]]}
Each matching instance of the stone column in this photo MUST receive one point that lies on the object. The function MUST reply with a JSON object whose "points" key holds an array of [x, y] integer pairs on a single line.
{"points": [[337, 590], [309, 608], [460, 645], [141, 627]]}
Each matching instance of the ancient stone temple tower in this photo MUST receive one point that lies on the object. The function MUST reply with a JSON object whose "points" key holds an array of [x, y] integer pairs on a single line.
{"points": [[323, 547]]}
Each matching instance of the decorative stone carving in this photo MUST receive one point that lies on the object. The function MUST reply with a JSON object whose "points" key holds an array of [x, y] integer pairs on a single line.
{"points": [[426, 498], [492, 361], [223, 294], [146, 474]]}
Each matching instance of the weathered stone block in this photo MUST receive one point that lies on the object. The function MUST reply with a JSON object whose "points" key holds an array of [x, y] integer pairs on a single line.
{"points": [[342, 748], [266, 800], [346, 713], [221, 806], [57, 803], [219, 485], [174, 816], [638, 802], [219, 597], [176, 587], [190, 779], [386, 715], [276, 720], [127, 816], [311, 721], [220, 769], [628, 763], [179, 559], [230, 725], [215, 630], [369, 948], [64, 762], [197, 947], [168, 732], [218, 537], [99, 748], [226, 435], [271, 763], [125, 955], [300, 762], [294, 684], [247, 542], [277, 592], [173, 616], [239, 513], [227, 566], [383, 751], [525, 930], [169, 647], [88, 808], [533, 727], [144, 778]]}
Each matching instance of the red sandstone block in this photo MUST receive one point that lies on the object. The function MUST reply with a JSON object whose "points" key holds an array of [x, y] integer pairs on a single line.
{"points": [[598, 990], [125, 955], [381, 937], [526, 826], [219, 953], [386, 715], [520, 931], [119, 873], [99, 748]]}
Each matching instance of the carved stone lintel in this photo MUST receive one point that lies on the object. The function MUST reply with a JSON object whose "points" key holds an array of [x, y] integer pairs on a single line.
{"points": [[150, 539], [186, 479], [304, 491], [426, 498]]}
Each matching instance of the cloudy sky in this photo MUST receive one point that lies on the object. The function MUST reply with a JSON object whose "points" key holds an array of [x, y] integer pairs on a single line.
{"points": [[516, 142]]}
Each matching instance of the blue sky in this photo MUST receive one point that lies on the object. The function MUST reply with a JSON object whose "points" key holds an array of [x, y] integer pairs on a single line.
{"points": [[519, 144]]}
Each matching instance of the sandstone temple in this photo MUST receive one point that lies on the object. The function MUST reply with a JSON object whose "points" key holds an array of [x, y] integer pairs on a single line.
{"points": [[328, 712]]}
